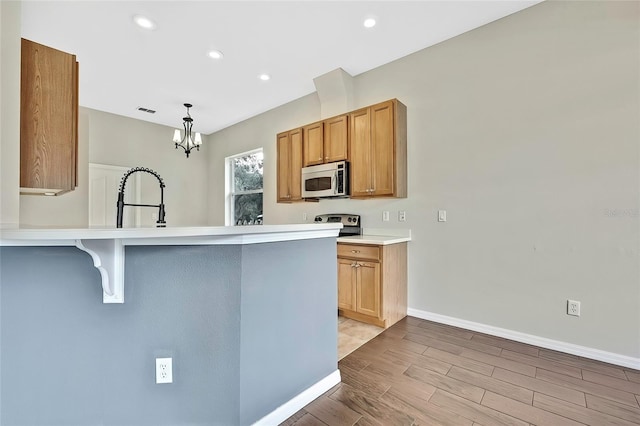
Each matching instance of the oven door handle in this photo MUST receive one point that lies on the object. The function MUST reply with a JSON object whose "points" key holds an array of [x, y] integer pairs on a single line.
{"points": [[334, 183]]}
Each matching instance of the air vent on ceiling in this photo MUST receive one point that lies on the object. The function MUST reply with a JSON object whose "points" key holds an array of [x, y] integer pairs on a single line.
{"points": [[150, 111]]}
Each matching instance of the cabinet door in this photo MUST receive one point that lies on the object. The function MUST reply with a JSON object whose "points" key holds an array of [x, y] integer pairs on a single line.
{"points": [[313, 144], [289, 165], [284, 160], [359, 129], [383, 149], [335, 139], [48, 119], [346, 284], [295, 169], [368, 289]]}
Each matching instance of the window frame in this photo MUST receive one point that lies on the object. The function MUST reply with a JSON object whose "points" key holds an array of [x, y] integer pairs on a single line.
{"points": [[230, 185]]}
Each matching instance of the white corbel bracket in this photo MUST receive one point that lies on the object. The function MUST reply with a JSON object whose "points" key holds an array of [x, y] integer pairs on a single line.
{"points": [[108, 258]]}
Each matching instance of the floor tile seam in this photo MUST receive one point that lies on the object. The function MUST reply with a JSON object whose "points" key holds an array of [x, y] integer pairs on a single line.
{"points": [[427, 359], [610, 387], [546, 393], [514, 349], [532, 406], [486, 407], [587, 382], [453, 413], [493, 367], [601, 413], [588, 392], [607, 413], [497, 366], [586, 364], [478, 347], [542, 360], [448, 409], [454, 379], [445, 328], [499, 380]]}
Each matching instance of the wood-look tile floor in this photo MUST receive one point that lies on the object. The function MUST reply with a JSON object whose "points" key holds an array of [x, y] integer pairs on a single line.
{"points": [[422, 373]]}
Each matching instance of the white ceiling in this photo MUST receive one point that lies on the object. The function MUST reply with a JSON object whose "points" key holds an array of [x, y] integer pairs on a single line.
{"points": [[123, 67]]}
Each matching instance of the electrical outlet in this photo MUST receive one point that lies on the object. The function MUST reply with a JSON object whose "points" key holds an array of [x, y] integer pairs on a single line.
{"points": [[164, 370], [385, 216], [402, 216], [573, 308]]}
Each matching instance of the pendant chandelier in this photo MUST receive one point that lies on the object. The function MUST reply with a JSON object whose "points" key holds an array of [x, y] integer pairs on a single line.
{"points": [[188, 141]]}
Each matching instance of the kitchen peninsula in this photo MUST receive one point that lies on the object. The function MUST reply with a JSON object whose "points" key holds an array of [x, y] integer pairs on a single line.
{"points": [[248, 315]]}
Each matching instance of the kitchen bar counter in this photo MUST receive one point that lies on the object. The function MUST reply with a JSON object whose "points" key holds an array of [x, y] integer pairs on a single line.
{"points": [[106, 245], [230, 305], [168, 236]]}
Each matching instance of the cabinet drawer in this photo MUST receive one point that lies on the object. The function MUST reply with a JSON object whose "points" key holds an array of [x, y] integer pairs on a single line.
{"points": [[358, 251]]}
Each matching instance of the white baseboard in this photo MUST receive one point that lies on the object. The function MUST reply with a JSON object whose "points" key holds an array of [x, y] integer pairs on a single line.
{"points": [[543, 342], [299, 401]]}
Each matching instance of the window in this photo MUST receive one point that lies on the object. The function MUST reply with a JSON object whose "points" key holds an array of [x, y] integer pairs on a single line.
{"points": [[244, 203]]}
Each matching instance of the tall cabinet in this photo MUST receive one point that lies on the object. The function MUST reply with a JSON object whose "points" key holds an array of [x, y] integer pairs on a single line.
{"points": [[378, 153], [48, 120], [289, 165]]}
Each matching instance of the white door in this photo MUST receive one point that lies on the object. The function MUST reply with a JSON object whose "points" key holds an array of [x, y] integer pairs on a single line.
{"points": [[104, 182]]}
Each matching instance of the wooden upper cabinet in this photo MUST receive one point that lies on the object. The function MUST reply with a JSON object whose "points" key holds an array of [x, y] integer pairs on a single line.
{"points": [[378, 150], [48, 120], [326, 141], [360, 158], [313, 136], [289, 164], [336, 136]]}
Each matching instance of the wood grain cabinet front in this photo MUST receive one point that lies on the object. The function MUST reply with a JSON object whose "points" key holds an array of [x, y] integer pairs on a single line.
{"points": [[326, 141], [48, 120], [378, 150], [372, 283], [289, 147]]}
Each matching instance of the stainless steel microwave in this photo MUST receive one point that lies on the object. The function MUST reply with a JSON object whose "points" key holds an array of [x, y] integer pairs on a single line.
{"points": [[326, 180]]}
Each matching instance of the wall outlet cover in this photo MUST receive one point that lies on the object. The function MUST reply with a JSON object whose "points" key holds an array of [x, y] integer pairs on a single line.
{"points": [[573, 308], [164, 370]]}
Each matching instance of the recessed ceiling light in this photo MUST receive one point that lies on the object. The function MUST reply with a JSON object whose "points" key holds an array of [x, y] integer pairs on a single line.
{"points": [[264, 77], [369, 22], [215, 54], [144, 22]]}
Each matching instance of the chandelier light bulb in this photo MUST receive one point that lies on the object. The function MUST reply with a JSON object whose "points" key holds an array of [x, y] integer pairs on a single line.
{"points": [[177, 138]]}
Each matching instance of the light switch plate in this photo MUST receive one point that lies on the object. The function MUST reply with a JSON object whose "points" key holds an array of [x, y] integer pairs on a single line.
{"points": [[442, 215]]}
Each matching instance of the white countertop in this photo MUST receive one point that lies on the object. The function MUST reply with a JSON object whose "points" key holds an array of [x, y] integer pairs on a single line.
{"points": [[202, 235], [380, 240], [106, 245]]}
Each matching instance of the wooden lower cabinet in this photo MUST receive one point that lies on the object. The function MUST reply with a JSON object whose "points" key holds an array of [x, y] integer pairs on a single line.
{"points": [[372, 282]]}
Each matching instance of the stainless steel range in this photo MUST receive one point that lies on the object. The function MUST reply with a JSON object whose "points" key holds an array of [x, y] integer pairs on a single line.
{"points": [[350, 222]]}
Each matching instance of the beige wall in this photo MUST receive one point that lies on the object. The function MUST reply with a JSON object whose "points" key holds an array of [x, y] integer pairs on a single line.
{"points": [[526, 131], [126, 142], [258, 132], [10, 15], [120, 141], [103, 138]]}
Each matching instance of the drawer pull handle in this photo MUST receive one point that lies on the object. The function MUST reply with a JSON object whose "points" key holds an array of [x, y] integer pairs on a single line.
{"points": [[355, 251]]}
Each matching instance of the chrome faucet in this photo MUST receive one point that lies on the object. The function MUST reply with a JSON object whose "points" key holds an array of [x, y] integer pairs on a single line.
{"points": [[160, 223]]}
